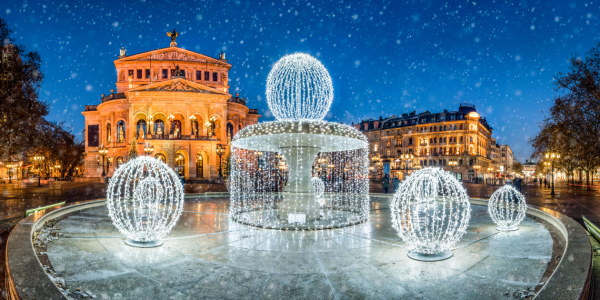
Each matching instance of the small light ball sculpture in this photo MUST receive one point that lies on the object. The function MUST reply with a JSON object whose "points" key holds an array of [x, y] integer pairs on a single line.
{"points": [[299, 88], [144, 200], [319, 187], [430, 212], [507, 208]]}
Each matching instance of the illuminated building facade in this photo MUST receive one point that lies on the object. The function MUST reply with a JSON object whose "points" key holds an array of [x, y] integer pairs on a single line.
{"points": [[458, 141], [176, 103]]}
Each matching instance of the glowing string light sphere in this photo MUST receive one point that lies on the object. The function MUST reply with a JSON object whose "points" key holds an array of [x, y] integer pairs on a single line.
{"points": [[430, 212], [144, 200], [272, 162], [507, 208], [299, 88]]}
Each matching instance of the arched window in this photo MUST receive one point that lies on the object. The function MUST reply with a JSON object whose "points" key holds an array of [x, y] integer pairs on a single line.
{"points": [[440, 128], [239, 127], [199, 166], [180, 165], [454, 126], [121, 132], [141, 129], [159, 128], [119, 161], [461, 139], [160, 157], [108, 133], [430, 128], [460, 126], [176, 129], [444, 127]]}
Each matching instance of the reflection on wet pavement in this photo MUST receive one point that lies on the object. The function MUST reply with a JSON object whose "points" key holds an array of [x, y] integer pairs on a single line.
{"points": [[207, 255]]}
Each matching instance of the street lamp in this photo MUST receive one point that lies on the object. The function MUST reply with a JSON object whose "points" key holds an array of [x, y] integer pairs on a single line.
{"points": [[406, 158], [220, 152], [476, 167], [148, 149], [453, 164], [39, 160], [103, 151], [552, 157]]}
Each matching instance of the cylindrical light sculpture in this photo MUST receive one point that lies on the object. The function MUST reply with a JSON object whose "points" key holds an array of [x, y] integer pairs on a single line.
{"points": [[507, 208], [430, 212], [144, 200]]}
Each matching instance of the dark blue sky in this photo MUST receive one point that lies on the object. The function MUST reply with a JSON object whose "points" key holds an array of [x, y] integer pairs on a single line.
{"points": [[385, 57]]}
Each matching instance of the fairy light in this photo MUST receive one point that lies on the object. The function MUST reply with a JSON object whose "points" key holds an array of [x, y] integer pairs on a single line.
{"points": [[507, 208], [319, 186], [272, 162], [430, 212], [144, 200], [299, 88]]}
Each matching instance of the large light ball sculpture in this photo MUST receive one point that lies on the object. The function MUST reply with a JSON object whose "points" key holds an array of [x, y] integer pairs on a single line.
{"points": [[144, 200], [430, 212], [507, 208], [272, 162], [299, 88]]}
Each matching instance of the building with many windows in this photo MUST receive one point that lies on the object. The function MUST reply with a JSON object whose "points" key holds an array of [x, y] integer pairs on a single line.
{"points": [[459, 141], [176, 103]]}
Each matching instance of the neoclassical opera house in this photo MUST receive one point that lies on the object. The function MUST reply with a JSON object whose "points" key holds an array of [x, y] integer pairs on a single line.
{"points": [[176, 103]]}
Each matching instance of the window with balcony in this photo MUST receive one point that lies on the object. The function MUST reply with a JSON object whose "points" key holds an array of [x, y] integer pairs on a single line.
{"points": [[410, 141]]}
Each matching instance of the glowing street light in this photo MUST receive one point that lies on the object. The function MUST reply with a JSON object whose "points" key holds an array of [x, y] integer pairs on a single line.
{"points": [[552, 157]]}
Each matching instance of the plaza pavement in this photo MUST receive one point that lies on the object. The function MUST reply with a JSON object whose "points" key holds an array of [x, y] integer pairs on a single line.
{"points": [[15, 199]]}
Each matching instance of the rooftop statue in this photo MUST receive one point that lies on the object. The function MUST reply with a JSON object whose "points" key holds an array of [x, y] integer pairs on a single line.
{"points": [[173, 35]]}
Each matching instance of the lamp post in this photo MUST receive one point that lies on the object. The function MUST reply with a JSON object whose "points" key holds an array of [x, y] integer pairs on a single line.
{"points": [[148, 149], [406, 158], [453, 164], [476, 167], [552, 156], [220, 152], [103, 152], [39, 160], [491, 171]]}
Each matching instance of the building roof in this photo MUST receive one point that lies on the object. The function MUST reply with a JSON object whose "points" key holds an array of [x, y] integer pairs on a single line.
{"points": [[412, 118]]}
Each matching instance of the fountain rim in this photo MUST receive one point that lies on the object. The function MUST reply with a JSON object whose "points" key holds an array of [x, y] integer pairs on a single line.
{"points": [[319, 132], [26, 278]]}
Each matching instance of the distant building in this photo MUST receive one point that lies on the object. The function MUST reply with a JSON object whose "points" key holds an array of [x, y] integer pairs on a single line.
{"points": [[529, 168], [506, 159], [433, 139]]}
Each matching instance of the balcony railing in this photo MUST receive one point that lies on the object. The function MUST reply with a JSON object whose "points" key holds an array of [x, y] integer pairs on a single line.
{"points": [[91, 107], [181, 137]]}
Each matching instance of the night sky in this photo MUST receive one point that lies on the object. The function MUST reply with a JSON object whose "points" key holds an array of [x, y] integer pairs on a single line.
{"points": [[385, 57]]}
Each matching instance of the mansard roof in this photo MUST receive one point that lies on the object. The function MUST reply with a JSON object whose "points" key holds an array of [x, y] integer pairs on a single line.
{"points": [[426, 117], [172, 54]]}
